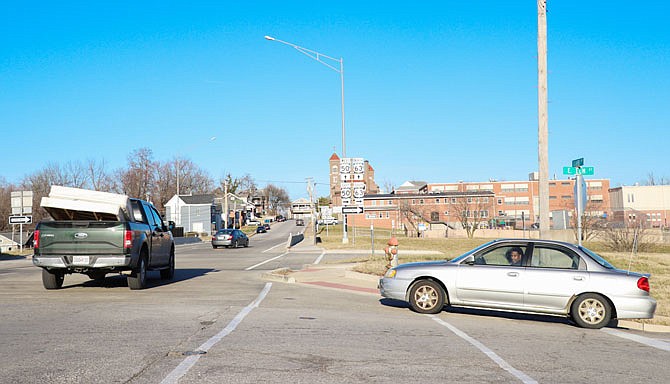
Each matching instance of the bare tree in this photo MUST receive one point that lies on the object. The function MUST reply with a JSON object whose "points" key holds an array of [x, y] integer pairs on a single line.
{"points": [[276, 197], [388, 186], [244, 184], [138, 179], [652, 180], [5, 203], [473, 211], [99, 178], [411, 215]]}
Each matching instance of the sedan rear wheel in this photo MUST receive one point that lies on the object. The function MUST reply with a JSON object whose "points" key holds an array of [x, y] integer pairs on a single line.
{"points": [[426, 296], [591, 310]]}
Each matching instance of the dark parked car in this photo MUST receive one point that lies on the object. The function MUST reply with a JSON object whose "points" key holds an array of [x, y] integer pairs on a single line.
{"points": [[299, 222], [261, 229], [266, 226], [229, 238]]}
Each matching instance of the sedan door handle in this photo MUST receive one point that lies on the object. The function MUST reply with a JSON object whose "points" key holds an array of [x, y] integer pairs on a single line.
{"points": [[513, 274], [578, 278]]}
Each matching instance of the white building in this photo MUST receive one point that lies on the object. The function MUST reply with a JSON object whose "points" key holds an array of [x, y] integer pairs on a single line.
{"points": [[648, 204]]}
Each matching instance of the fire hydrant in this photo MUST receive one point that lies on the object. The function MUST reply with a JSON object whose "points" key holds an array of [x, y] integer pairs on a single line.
{"points": [[391, 253]]}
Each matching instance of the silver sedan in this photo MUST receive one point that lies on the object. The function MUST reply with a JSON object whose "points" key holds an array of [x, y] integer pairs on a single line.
{"points": [[521, 275]]}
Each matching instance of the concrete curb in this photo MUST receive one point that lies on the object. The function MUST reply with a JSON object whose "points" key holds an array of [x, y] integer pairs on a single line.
{"points": [[280, 275], [644, 327]]}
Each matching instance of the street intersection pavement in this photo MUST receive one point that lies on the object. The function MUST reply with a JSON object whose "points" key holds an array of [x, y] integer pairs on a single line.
{"points": [[333, 275]]}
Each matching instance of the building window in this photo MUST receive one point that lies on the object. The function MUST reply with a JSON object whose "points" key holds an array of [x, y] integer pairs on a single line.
{"points": [[483, 213], [552, 197], [566, 197], [453, 200], [485, 199], [390, 203], [437, 201], [421, 201], [565, 183], [435, 216]]}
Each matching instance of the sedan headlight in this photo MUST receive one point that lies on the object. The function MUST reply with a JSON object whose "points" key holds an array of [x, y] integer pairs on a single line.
{"points": [[390, 273]]}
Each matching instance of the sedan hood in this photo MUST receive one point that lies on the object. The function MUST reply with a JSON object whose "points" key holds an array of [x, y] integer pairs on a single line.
{"points": [[422, 264]]}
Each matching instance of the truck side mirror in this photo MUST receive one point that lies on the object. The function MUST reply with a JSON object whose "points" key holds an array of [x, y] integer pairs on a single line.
{"points": [[171, 225]]}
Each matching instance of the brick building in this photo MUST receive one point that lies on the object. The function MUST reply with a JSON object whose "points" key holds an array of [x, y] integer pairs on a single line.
{"points": [[517, 200], [491, 204]]}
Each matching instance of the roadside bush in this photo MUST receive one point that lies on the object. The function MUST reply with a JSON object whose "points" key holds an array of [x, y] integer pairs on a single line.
{"points": [[626, 239]]}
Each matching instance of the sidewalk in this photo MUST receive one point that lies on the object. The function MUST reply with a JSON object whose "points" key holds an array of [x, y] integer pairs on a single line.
{"points": [[334, 276]]}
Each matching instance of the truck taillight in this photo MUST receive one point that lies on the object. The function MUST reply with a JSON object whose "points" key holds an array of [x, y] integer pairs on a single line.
{"points": [[128, 239], [36, 239], [643, 283]]}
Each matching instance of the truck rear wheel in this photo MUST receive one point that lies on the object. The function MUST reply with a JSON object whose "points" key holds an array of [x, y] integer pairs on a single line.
{"points": [[52, 279], [168, 273], [138, 279]]}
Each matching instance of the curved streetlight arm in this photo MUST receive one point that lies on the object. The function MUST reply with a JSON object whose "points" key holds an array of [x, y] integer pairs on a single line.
{"points": [[317, 56], [311, 54]]}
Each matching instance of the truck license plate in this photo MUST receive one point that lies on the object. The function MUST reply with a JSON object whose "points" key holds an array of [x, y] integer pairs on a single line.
{"points": [[80, 260]]}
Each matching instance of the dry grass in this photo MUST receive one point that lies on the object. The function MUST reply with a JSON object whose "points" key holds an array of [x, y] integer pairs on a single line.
{"points": [[656, 263]]}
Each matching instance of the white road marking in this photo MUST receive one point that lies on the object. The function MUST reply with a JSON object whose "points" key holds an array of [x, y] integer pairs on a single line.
{"points": [[266, 261], [278, 245], [318, 259], [659, 344], [190, 361], [492, 355]]}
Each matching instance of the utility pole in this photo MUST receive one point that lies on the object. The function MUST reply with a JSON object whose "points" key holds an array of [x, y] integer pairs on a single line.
{"points": [[542, 132], [225, 204], [310, 191]]}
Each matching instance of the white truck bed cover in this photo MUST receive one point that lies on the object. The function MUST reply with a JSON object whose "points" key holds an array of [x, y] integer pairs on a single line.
{"points": [[65, 203]]}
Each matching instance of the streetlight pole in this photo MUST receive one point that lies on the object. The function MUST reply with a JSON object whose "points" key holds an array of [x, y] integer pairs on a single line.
{"points": [[317, 56]]}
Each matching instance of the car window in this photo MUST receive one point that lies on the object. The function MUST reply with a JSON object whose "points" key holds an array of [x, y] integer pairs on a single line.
{"points": [[499, 255], [157, 217], [550, 257], [137, 212]]}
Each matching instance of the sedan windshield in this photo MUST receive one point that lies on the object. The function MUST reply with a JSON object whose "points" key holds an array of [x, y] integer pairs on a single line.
{"points": [[597, 258], [468, 253]]}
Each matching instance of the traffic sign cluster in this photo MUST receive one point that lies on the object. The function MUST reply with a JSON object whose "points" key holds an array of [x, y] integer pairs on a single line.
{"points": [[352, 181]]}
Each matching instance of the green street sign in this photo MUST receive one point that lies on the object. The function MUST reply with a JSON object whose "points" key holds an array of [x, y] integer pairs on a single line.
{"points": [[569, 170], [578, 162], [586, 171]]}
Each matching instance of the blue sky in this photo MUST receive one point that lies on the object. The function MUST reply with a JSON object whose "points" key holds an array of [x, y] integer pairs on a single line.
{"points": [[438, 91]]}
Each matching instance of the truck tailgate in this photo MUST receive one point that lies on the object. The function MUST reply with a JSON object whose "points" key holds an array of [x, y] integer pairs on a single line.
{"points": [[81, 238]]}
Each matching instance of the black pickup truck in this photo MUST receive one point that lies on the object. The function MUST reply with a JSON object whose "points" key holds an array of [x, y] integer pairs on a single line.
{"points": [[97, 233]]}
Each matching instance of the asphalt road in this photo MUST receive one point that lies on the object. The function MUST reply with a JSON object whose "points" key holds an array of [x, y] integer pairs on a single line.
{"points": [[218, 321]]}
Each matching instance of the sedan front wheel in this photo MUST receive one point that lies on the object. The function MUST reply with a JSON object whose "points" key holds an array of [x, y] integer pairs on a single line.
{"points": [[426, 296]]}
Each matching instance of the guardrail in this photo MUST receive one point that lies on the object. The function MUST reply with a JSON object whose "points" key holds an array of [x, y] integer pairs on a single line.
{"points": [[294, 239]]}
